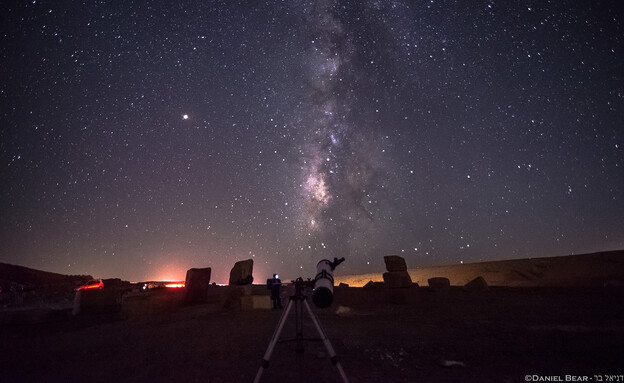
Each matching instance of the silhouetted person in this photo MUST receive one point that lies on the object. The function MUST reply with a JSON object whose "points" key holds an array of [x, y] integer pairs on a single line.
{"points": [[276, 287]]}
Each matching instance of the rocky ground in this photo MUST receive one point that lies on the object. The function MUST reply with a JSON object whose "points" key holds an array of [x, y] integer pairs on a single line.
{"points": [[500, 335]]}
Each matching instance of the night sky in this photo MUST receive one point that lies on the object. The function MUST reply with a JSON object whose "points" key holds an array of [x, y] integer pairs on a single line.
{"points": [[143, 138]]}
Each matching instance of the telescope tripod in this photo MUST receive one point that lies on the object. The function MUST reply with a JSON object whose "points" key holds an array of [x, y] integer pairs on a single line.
{"points": [[297, 300]]}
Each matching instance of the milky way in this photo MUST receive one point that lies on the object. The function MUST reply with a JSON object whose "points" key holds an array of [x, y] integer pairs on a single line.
{"points": [[141, 139], [338, 172]]}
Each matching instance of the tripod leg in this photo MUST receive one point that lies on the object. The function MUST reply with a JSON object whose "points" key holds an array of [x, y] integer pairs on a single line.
{"points": [[328, 346], [273, 342], [298, 327]]}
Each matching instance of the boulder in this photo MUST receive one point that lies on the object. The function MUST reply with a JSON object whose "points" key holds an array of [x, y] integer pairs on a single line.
{"points": [[477, 284], [241, 273], [197, 283], [397, 279], [395, 263], [439, 283]]}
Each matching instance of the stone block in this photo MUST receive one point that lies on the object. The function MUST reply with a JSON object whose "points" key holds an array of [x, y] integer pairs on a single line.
{"points": [[241, 273], [255, 302], [197, 283], [395, 263], [397, 279]]}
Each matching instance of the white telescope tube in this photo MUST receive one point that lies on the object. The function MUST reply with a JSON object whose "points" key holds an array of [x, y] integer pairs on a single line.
{"points": [[323, 294]]}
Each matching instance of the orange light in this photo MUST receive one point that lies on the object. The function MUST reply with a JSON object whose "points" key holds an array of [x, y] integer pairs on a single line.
{"points": [[175, 285], [99, 285]]}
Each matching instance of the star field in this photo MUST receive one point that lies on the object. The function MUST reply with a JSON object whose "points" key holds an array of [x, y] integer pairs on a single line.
{"points": [[140, 139]]}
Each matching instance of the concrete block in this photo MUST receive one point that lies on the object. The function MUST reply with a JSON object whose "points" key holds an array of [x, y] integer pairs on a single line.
{"points": [[255, 302]]}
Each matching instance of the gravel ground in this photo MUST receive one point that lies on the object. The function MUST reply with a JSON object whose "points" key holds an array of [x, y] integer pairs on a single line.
{"points": [[502, 335]]}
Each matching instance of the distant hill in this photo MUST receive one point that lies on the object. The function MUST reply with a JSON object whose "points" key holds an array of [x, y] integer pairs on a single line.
{"points": [[14, 276], [596, 269]]}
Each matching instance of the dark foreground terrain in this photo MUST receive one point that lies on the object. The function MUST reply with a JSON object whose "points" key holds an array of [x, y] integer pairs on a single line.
{"points": [[501, 335]]}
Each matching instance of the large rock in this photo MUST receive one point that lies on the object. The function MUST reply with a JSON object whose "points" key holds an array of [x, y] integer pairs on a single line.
{"points": [[477, 284], [197, 284], [241, 273], [439, 283], [395, 263], [397, 279]]}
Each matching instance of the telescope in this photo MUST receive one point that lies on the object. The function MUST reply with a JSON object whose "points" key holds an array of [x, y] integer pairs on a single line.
{"points": [[322, 296], [323, 293]]}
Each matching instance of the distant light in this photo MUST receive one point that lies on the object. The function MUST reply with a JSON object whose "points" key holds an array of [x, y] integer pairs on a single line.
{"points": [[174, 285], [93, 284], [185, 116]]}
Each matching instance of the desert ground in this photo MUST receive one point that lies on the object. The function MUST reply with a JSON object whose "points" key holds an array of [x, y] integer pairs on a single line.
{"points": [[508, 333]]}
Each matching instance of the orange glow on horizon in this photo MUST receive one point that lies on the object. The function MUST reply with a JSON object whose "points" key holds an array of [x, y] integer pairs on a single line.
{"points": [[170, 272], [175, 285]]}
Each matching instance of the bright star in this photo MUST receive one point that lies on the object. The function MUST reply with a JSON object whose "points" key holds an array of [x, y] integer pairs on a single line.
{"points": [[185, 116]]}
